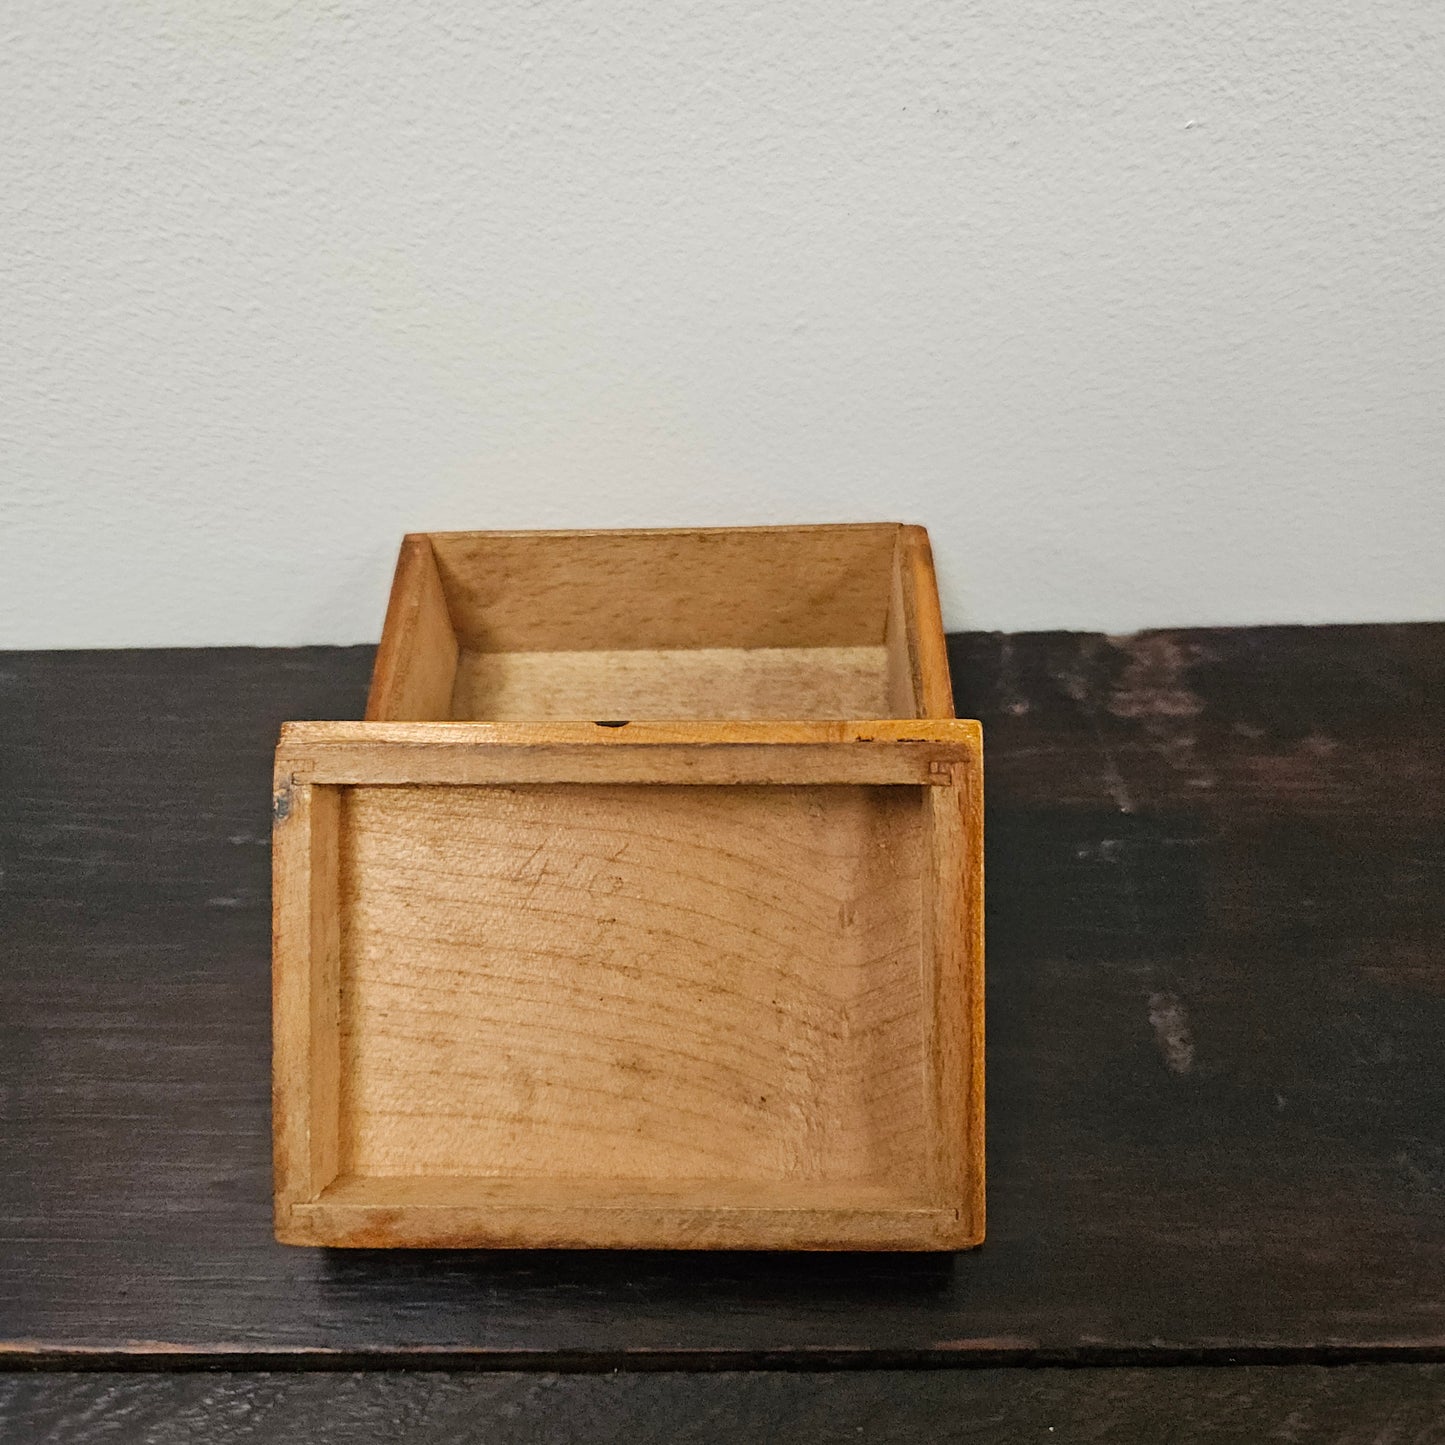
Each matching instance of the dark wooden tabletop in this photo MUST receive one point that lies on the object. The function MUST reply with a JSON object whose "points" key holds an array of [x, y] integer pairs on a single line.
{"points": [[1216, 1122]]}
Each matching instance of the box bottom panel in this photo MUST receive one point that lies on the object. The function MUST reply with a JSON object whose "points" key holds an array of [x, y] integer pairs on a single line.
{"points": [[633, 982], [762, 682]]}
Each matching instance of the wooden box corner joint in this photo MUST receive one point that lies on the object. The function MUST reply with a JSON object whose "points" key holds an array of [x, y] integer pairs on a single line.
{"points": [[644, 910]]}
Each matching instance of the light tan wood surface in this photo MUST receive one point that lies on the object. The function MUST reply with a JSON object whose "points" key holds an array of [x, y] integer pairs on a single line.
{"points": [[631, 981], [866, 751], [731, 1013], [963, 735], [704, 682], [305, 987]]}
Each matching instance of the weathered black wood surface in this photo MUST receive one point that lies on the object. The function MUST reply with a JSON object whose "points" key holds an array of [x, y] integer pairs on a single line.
{"points": [[1348, 1405], [1216, 1016]]}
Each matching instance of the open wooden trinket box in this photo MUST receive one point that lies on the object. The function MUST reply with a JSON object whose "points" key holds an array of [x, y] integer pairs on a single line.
{"points": [[644, 910]]}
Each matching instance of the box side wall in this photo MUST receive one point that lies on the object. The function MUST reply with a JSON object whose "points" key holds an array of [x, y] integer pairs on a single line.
{"points": [[415, 670], [358, 1224], [305, 989], [627, 591], [917, 651]]}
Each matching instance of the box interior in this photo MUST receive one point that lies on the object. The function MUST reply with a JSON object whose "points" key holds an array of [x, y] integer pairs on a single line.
{"points": [[808, 622], [613, 993]]}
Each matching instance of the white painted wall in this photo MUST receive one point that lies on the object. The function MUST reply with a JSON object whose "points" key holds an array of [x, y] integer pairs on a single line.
{"points": [[1140, 307]]}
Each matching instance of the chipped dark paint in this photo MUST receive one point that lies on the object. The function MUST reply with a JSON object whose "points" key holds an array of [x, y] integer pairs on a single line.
{"points": [[281, 803], [1156, 679], [1170, 1021]]}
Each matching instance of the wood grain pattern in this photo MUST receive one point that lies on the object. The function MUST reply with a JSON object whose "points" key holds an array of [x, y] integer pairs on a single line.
{"points": [[918, 680], [306, 937], [697, 753], [708, 984], [1359, 1405], [954, 953], [416, 663], [572, 982], [1216, 999], [941, 739], [722, 587]]}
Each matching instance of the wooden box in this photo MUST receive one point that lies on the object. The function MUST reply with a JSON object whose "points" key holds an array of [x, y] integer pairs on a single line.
{"points": [[659, 978]]}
